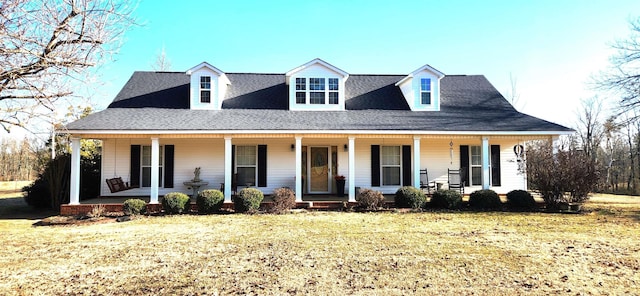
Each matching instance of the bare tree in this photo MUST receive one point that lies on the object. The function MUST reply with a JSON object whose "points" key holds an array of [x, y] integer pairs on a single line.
{"points": [[624, 76], [512, 95], [162, 63], [48, 46], [590, 129]]}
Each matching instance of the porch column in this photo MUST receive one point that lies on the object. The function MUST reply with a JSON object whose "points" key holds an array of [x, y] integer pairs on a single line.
{"points": [[555, 142], [416, 162], [352, 169], [74, 198], [298, 165], [485, 163], [155, 173], [228, 170]]}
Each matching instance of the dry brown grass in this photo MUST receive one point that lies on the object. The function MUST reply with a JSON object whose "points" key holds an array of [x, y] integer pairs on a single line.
{"points": [[330, 254]]}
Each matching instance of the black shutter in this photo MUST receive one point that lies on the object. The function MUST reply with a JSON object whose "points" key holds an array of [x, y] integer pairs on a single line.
{"points": [[375, 165], [406, 165], [134, 167], [495, 165], [169, 153], [262, 165], [464, 164]]}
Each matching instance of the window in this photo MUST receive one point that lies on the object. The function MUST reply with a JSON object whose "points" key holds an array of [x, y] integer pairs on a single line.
{"points": [[246, 164], [333, 91], [320, 91], [205, 89], [146, 166], [425, 91], [390, 164], [476, 165], [316, 98], [301, 87]]}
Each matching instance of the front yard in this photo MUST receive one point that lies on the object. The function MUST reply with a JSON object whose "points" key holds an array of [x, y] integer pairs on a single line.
{"points": [[333, 253]]}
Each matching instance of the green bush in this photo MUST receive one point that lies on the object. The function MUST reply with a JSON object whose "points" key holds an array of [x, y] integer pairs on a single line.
{"points": [[369, 199], [484, 199], [521, 200], [284, 199], [410, 197], [134, 206], [175, 203], [248, 200], [209, 200], [446, 199]]}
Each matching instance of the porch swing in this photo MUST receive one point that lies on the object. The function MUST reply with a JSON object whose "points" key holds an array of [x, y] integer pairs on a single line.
{"points": [[116, 184]]}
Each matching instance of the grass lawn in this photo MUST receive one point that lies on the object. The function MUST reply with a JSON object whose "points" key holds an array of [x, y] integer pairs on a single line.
{"points": [[331, 253]]}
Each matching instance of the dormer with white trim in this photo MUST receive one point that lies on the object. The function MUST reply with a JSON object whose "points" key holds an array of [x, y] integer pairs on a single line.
{"points": [[316, 86], [207, 87], [421, 89]]}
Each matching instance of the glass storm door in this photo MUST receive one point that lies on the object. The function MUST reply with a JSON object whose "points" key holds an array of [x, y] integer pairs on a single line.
{"points": [[319, 171]]}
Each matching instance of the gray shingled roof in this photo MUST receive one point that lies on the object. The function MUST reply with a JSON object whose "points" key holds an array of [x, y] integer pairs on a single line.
{"points": [[160, 101]]}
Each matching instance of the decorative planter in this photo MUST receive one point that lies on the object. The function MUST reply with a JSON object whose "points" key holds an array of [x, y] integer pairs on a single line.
{"points": [[340, 187]]}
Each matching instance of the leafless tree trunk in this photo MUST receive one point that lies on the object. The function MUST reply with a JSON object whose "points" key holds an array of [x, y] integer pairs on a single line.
{"points": [[590, 129], [48, 46], [162, 63]]}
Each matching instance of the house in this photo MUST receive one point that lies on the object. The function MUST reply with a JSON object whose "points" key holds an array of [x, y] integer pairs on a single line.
{"points": [[301, 128]]}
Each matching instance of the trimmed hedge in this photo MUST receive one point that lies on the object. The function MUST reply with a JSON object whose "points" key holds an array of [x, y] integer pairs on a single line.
{"points": [[446, 199], [485, 199], [521, 200], [369, 199], [248, 200], [209, 201], [284, 199], [410, 197], [134, 206], [175, 202]]}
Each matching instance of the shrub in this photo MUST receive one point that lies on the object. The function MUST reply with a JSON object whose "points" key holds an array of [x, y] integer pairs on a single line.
{"points": [[97, 211], [446, 199], [484, 199], [248, 200], [175, 202], [410, 197], [134, 206], [369, 199], [520, 199], [565, 176], [209, 201], [284, 199]]}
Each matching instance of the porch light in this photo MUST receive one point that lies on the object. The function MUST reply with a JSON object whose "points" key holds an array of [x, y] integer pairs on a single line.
{"points": [[346, 148], [293, 147]]}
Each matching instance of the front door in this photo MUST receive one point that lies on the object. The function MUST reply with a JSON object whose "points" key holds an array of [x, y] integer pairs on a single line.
{"points": [[319, 170]]}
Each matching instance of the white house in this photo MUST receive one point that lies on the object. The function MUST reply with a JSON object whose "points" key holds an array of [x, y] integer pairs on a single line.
{"points": [[301, 128]]}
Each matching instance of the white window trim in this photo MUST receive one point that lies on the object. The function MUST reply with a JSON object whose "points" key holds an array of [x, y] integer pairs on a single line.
{"points": [[471, 165], [326, 91], [382, 166], [422, 91], [254, 166], [160, 165], [201, 89]]}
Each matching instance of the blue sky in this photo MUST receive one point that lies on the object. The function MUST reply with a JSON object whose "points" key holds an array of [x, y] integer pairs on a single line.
{"points": [[551, 48]]}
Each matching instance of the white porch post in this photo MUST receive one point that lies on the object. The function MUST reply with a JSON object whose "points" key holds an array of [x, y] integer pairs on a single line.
{"points": [[416, 162], [228, 170], [555, 142], [352, 169], [298, 165], [155, 165], [485, 163], [74, 198]]}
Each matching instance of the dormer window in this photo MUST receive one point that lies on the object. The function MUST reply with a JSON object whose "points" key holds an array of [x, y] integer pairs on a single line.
{"points": [[316, 86], [205, 89], [320, 91], [425, 91]]}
